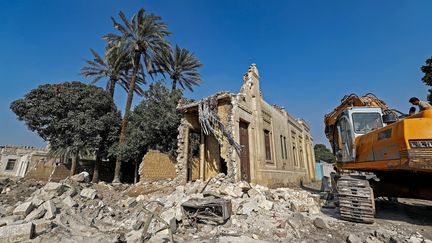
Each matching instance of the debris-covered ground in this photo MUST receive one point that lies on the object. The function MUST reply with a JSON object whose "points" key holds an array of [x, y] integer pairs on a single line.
{"points": [[77, 211]]}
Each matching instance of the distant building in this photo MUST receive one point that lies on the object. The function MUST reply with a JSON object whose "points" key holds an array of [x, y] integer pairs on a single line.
{"points": [[323, 169], [245, 138], [15, 160]]}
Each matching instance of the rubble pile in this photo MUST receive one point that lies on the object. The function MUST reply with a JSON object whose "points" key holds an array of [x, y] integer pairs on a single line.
{"points": [[75, 210]]}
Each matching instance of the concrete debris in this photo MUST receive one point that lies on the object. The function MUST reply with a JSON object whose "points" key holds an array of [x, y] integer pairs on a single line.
{"points": [[42, 226], [68, 201], [88, 193], [215, 211], [51, 209], [320, 223], [55, 187], [36, 214], [23, 209], [353, 239], [10, 219], [16, 233], [129, 202], [81, 177]]}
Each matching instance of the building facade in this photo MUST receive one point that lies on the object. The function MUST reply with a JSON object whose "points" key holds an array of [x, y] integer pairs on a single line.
{"points": [[244, 137], [15, 160]]}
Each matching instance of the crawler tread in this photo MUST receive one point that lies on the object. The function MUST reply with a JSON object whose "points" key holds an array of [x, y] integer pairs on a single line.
{"points": [[356, 200]]}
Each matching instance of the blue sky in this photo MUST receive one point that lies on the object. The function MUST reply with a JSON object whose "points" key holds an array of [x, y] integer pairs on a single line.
{"points": [[309, 53]]}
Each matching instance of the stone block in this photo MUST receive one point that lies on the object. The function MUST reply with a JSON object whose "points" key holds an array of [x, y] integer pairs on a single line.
{"points": [[16, 233], [36, 214], [68, 201], [58, 188], [42, 226], [353, 239], [10, 219], [265, 204], [88, 193], [81, 177], [51, 209], [23, 209]]}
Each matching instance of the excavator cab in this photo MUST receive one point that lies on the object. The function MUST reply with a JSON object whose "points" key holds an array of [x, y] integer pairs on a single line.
{"points": [[355, 122]]}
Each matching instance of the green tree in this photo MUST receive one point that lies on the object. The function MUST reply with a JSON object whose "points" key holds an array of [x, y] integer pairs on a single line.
{"points": [[153, 124], [427, 78], [141, 38], [323, 153], [73, 117], [115, 68], [181, 66]]}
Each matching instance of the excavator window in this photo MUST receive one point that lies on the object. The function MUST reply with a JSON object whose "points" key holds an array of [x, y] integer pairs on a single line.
{"points": [[366, 122]]}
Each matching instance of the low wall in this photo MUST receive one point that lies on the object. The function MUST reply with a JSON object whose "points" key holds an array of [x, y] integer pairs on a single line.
{"points": [[157, 166]]}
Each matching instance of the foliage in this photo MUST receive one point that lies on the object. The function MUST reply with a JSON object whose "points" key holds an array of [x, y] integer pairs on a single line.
{"points": [[72, 117], [116, 68], [153, 124], [323, 153], [427, 78], [181, 66], [142, 36]]}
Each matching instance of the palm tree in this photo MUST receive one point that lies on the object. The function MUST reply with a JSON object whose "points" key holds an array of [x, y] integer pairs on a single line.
{"points": [[181, 65], [116, 67], [141, 38]]}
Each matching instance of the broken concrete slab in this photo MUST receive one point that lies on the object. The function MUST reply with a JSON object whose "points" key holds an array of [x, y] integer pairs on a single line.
{"points": [[265, 204], [37, 202], [23, 209], [88, 193], [36, 214], [353, 239], [231, 191], [58, 188], [81, 177], [69, 202], [42, 226], [10, 219], [16, 233], [51, 209], [248, 207]]}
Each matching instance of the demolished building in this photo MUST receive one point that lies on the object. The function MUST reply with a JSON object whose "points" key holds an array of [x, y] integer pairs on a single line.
{"points": [[15, 160], [244, 137]]}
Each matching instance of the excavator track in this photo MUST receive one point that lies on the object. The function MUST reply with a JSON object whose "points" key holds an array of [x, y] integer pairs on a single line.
{"points": [[356, 199]]}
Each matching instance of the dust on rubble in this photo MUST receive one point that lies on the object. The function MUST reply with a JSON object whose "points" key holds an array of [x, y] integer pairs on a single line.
{"points": [[75, 210]]}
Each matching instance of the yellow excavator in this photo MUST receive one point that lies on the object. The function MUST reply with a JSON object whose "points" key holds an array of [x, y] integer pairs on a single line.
{"points": [[380, 152]]}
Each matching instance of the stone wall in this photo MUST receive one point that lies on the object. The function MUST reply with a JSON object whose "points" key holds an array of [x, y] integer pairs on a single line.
{"points": [[157, 166]]}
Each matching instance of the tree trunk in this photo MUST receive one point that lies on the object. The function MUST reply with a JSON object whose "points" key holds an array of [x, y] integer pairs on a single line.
{"points": [[96, 169], [122, 140], [74, 164], [112, 87], [174, 85]]}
